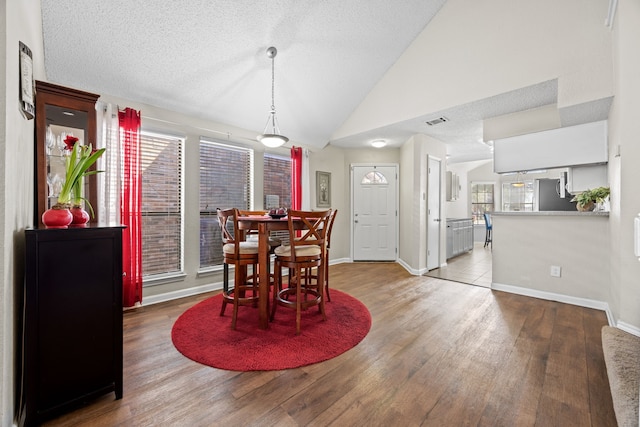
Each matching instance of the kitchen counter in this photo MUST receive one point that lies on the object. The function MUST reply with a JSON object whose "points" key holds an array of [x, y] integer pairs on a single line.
{"points": [[551, 213], [528, 248]]}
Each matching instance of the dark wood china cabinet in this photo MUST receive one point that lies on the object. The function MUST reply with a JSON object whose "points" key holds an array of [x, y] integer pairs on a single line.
{"points": [[60, 111]]}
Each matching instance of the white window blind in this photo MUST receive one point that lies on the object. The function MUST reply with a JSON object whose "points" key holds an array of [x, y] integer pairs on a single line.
{"points": [[161, 164], [277, 181], [225, 182], [277, 187]]}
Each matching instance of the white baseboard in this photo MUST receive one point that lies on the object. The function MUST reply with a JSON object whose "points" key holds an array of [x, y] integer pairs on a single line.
{"points": [[628, 328], [410, 269], [551, 296], [168, 296]]}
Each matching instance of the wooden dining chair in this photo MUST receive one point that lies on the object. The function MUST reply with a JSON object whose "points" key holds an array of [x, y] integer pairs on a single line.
{"points": [[311, 275], [304, 252], [240, 254]]}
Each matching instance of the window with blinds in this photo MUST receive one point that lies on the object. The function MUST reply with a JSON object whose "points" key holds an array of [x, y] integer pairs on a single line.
{"points": [[161, 164], [277, 187], [225, 182], [277, 181]]}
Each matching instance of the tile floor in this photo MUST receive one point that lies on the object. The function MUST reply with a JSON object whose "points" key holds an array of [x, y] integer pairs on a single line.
{"points": [[473, 268]]}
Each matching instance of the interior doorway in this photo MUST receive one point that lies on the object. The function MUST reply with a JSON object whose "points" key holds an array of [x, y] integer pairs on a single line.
{"points": [[434, 221]]}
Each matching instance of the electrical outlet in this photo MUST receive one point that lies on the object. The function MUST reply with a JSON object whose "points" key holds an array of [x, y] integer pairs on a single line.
{"points": [[556, 271]]}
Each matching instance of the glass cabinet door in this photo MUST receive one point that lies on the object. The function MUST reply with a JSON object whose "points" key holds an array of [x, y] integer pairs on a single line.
{"points": [[60, 112]]}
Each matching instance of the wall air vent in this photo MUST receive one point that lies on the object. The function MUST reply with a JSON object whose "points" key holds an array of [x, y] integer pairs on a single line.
{"points": [[437, 121]]}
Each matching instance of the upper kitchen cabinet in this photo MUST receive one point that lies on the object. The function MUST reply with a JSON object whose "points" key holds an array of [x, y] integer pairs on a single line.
{"points": [[60, 111], [579, 145]]}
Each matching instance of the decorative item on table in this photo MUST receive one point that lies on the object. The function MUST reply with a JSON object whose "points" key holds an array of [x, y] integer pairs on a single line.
{"points": [[586, 201], [70, 199], [277, 213]]}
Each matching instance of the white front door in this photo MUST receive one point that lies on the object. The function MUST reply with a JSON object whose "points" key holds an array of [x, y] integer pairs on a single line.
{"points": [[433, 213], [375, 218]]}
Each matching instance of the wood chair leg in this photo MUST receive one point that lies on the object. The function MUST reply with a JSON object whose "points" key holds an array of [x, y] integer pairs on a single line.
{"points": [[238, 279], [326, 279], [298, 302], [321, 292], [277, 286], [225, 287]]}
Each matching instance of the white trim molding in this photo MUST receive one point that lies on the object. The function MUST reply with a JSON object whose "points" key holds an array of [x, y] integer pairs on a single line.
{"points": [[551, 296]]}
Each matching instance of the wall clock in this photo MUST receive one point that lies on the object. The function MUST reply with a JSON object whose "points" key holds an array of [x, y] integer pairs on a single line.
{"points": [[26, 81]]}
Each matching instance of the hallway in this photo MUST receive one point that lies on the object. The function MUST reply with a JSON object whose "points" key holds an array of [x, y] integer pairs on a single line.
{"points": [[473, 268]]}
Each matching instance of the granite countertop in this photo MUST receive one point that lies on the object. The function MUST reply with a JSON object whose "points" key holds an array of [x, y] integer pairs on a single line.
{"points": [[551, 213]]}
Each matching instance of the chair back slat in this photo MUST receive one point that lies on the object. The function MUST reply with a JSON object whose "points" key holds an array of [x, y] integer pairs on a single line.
{"points": [[315, 224], [332, 218], [227, 222]]}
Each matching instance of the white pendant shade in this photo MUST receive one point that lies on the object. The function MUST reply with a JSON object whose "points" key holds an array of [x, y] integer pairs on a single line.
{"points": [[272, 140]]}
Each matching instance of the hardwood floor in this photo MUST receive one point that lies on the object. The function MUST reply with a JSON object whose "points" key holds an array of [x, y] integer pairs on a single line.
{"points": [[439, 353], [473, 268]]}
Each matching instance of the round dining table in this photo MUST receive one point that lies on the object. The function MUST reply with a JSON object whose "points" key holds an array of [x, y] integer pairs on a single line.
{"points": [[264, 224]]}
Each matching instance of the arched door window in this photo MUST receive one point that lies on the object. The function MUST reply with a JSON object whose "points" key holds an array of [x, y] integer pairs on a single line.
{"points": [[374, 177]]}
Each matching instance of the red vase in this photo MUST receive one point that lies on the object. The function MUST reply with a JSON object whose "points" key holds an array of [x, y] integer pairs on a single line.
{"points": [[58, 216], [80, 217]]}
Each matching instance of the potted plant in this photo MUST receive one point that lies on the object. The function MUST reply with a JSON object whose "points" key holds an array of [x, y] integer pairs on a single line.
{"points": [[70, 198], [586, 200]]}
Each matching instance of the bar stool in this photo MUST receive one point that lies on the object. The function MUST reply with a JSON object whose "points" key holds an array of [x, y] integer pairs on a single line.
{"points": [[489, 228], [240, 254], [304, 252], [311, 276]]}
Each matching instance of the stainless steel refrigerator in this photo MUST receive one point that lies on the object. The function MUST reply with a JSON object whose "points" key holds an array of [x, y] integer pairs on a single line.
{"points": [[548, 196]]}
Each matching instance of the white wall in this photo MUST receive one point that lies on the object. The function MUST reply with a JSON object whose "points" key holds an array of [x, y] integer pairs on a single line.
{"points": [[624, 174], [474, 50], [413, 190], [22, 23], [578, 244], [461, 208]]}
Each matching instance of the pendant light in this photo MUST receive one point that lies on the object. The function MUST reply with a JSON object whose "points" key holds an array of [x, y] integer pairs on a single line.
{"points": [[519, 183], [271, 135]]}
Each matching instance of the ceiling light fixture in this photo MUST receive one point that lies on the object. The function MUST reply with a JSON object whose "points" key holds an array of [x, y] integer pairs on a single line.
{"points": [[518, 183], [272, 139], [379, 143]]}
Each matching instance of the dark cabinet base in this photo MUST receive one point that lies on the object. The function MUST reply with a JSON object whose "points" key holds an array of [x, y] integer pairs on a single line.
{"points": [[72, 320]]}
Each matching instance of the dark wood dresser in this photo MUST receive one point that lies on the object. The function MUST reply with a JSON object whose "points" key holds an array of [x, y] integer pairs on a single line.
{"points": [[72, 320]]}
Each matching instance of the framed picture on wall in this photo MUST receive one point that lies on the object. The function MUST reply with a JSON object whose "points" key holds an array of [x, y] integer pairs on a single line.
{"points": [[26, 81], [323, 189]]}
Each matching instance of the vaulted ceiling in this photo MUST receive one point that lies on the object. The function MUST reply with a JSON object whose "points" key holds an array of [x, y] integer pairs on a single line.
{"points": [[207, 59]]}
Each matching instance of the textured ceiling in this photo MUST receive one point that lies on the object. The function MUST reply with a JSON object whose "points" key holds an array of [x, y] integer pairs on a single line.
{"points": [[207, 59]]}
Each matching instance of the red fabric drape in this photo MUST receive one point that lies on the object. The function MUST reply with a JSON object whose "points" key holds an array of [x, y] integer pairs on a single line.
{"points": [[296, 178], [130, 207]]}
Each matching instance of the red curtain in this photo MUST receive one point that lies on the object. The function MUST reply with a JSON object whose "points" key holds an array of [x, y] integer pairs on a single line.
{"points": [[296, 178], [130, 207]]}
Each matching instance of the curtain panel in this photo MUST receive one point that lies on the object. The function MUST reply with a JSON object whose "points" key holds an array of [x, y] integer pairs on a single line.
{"points": [[130, 206], [296, 178]]}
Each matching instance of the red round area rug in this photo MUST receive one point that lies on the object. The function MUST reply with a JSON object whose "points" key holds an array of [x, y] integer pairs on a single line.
{"points": [[204, 336]]}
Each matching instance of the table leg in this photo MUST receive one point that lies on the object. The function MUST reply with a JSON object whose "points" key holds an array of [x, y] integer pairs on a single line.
{"points": [[263, 275]]}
